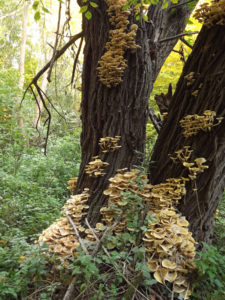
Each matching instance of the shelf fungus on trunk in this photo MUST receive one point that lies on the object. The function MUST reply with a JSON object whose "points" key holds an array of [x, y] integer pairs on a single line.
{"points": [[60, 236], [192, 124], [95, 167], [112, 63], [211, 14], [72, 185], [109, 144]]}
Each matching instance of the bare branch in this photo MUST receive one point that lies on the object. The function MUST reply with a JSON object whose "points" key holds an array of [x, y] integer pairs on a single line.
{"points": [[76, 59], [186, 43], [177, 36], [56, 42], [155, 120], [10, 14], [58, 54], [77, 233], [107, 231], [181, 4]]}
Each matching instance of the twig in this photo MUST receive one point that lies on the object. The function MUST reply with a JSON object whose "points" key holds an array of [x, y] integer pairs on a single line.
{"points": [[39, 110], [186, 43], [77, 233], [70, 290], [58, 54], [49, 116], [154, 119], [177, 36], [108, 230], [181, 4], [76, 59], [56, 43], [116, 267]]}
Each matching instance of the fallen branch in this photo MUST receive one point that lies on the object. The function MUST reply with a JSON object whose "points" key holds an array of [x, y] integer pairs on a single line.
{"points": [[77, 233], [107, 231]]}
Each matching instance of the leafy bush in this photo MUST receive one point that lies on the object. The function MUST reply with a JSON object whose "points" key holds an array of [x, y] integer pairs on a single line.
{"points": [[210, 283], [33, 187]]}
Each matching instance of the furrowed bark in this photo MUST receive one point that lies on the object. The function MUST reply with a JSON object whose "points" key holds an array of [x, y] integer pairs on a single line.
{"points": [[207, 60], [122, 110]]}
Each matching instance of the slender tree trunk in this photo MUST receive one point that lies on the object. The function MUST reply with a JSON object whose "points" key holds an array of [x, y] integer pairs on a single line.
{"points": [[122, 110], [22, 56], [207, 61]]}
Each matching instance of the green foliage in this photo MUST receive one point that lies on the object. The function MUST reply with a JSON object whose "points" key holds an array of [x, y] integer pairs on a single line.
{"points": [[33, 186], [210, 283], [219, 232], [120, 263], [21, 265]]}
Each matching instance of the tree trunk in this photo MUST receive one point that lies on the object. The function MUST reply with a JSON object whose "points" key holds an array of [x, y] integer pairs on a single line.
{"points": [[121, 110], [22, 57], [207, 61]]}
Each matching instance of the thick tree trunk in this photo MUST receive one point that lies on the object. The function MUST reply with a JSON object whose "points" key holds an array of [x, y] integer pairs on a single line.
{"points": [[122, 110], [207, 61]]}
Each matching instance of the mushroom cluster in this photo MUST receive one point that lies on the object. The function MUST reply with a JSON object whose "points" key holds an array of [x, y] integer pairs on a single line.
{"points": [[60, 236], [112, 64], [169, 245], [72, 185], [95, 167], [196, 167], [123, 181], [192, 124], [190, 78], [211, 15], [182, 155], [109, 144]]}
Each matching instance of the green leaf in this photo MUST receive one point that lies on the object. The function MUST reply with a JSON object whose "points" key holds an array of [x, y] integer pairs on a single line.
{"points": [[37, 16], [88, 15], [35, 5], [83, 8], [45, 10], [126, 6], [145, 17], [93, 4], [165, 5]]}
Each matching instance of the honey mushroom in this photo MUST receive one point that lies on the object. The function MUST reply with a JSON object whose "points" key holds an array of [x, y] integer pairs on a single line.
{"points": [[95, 167], [192, 124], [60, 236], [211, 15], [72, 185], [112, 63], [109, 144]]}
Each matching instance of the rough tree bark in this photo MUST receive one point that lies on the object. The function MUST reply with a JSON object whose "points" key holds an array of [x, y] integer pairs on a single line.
{"points": [[121, 110], [208, 62]]}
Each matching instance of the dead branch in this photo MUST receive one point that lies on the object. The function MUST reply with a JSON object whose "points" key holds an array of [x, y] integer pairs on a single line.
{"points": [[76, 59], [77, 233], [56, 43], [177, 36], [107, 231], [58, 54], [156, 120], [186, 43]]}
